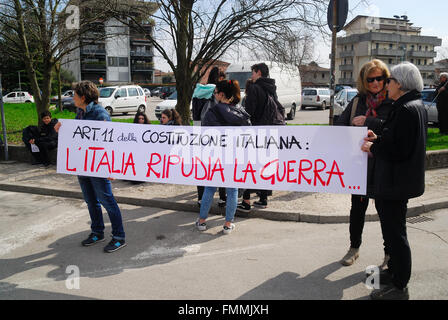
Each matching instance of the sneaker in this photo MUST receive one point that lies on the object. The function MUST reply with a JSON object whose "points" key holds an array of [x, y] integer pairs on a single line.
{"points": [[390, 292], [243, 207], [221, 203], [114, 245], [201, 226], [350, 257], [261, 203], [227, 230], [92, 239]]}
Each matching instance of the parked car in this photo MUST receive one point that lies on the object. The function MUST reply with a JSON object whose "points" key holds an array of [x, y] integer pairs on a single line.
{"points": [[68, 103], [169, 103], [66, 94], [287, 80], [316, 97], [339, 87], [428, 96], [166, 91], [147, 92], [341, 101], [155, 91], [18, 97], [123, 99]]}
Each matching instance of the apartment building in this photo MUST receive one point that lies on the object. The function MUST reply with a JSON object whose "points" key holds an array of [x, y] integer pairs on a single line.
{"points": [[313, 75], [115, 52], [391, 40]]}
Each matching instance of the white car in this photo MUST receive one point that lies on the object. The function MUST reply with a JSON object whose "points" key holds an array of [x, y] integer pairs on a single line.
{"points": [[341, 101], [123, 99], [316, 98], [18, 97]]}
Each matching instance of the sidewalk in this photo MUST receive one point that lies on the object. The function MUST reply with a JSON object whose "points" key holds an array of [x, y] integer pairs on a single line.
{"points": [[283, 205]]}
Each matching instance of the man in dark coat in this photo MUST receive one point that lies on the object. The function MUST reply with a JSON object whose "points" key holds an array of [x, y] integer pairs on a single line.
{"points": [[442, 103]]}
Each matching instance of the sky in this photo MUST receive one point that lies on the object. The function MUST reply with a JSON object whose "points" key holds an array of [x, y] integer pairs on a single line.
{"points": [[430, 15]]}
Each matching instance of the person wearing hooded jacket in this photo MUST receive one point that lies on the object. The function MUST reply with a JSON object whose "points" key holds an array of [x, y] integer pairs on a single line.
{"points": [[255, 103]]}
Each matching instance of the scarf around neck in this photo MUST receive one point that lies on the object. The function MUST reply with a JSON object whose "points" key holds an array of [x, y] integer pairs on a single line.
{"points": [[373, 101]]}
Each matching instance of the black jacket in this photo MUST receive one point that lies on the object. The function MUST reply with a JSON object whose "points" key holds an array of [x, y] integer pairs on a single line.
{"points": [[256, 99], [442, 99], [223, 114], [47, 133], [373, 123], [400, 150]]}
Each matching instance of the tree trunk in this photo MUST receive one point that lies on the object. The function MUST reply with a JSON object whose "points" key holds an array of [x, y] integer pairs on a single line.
{"points": [[58, 74]]}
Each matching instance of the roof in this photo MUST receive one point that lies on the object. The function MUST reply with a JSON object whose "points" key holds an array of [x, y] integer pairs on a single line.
{"points": [[362, 16]]}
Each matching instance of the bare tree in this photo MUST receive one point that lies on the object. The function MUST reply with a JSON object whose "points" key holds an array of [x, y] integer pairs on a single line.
{"points": [[201, 31], [35, 32]]}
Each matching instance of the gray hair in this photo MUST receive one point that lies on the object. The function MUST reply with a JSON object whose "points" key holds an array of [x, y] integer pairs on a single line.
{"points": [[444, 74], [408, 75]]}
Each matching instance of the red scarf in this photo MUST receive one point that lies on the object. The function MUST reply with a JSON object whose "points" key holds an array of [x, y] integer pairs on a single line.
{"points": [[373, 101]]}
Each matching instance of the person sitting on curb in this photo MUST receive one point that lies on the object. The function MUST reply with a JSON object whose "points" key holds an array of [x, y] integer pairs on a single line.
{"points": [[40, 140]]}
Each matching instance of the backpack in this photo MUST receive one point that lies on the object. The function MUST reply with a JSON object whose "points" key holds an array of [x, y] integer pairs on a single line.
{"points": [[274, 112]]}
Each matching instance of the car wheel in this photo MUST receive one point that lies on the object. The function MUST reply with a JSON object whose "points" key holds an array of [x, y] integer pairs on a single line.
{"points": [[109, 110], [27, 101], [141, 109], [292, 113], [302, 107], [324, 106]]}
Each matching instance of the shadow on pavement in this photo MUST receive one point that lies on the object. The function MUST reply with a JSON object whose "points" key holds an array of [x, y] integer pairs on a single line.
{"points": [[314, 286]]}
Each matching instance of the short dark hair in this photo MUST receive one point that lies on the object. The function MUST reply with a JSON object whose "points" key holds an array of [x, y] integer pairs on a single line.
{"points": [[261, 67], [45, 114], [88, 90], [213, 76]]}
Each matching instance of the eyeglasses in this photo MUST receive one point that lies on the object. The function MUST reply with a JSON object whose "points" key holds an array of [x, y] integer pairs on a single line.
{"points": [[388, 80], [371, 80]]}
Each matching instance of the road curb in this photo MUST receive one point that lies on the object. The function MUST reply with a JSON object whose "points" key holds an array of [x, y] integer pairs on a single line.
{"points": [[268, 214]]}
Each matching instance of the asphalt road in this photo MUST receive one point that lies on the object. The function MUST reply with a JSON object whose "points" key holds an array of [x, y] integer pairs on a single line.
{"points": [[167, 258], [307, 116]]}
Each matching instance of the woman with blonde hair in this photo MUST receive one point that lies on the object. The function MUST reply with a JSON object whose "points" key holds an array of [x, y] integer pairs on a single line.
{"points": [[369, 108]]}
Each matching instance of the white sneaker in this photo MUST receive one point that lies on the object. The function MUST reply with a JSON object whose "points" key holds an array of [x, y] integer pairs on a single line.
{"points": [[227, 230], [201, 226]]}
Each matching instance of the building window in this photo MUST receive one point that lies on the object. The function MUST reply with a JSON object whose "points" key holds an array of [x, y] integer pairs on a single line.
{"points": [[426, 62], [123, 62], [390, 61], [426, 48], [419, 62], [391, 45], [412, 60], [419, 48], [323, 75], [352, 47], [112, 61], [412, 47], [377, 46]]}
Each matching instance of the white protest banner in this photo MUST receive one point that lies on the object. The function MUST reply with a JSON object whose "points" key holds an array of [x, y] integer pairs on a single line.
{"points": [[296, 158]]}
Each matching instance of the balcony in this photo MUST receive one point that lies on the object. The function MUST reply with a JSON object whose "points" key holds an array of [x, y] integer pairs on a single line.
{"points": [[346, 67], [93, 52], [146, 54], [93, 66], [346, 81], [142, 67], [421, 54], [343, 54], [388, 52], [426, 68]]}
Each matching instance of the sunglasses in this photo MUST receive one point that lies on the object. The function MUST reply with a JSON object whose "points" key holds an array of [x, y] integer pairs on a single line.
{"points": [[388, 80], [371, 80]]}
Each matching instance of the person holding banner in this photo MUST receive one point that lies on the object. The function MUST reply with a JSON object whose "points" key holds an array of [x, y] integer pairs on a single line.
{"points": [[369, 108], [227, 112], [97, 191], [141, 118], [399, 152], [442, 103]]}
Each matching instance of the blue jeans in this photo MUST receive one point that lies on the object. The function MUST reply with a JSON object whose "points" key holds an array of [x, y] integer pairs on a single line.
{"points": [[231, 203], [97, 192]]}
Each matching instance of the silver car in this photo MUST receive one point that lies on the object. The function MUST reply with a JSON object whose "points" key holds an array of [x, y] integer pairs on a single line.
{"points": [[316, 97], [341, 101], [428, 96]]}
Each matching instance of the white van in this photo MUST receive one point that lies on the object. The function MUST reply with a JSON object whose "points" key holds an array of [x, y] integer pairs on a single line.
{"points": [[287, 80], [123, 99]]}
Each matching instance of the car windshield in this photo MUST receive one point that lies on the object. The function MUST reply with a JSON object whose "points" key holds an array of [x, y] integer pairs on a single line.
{"points": [[309, 92], [351, 95], [173, 96], [241, 77], [428, 95], [106, 92]]}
